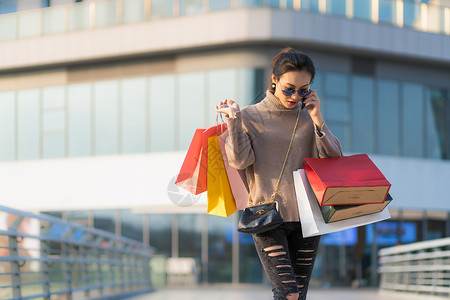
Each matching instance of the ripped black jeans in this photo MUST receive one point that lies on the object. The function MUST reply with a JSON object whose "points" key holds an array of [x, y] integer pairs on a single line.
{"points": [[287, 258]]}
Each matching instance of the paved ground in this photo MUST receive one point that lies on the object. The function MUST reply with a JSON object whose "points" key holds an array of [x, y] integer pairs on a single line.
{"points": [[260, 293]]}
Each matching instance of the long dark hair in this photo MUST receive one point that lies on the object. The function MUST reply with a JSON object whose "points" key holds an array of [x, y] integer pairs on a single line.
{"points": [[291, 60]]}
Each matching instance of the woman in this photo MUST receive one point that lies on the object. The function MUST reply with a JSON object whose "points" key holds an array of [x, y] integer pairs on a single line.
{"points": [[259, 137]]}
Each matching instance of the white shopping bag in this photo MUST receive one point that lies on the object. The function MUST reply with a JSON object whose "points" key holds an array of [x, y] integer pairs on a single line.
{"points": [[311, 217]]}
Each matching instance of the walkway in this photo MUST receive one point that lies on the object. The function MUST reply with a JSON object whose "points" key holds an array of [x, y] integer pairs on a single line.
{"points": [[262, 293]]}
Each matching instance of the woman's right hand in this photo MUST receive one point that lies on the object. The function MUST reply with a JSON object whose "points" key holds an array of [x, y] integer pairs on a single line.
{"points": [[228, 107]]}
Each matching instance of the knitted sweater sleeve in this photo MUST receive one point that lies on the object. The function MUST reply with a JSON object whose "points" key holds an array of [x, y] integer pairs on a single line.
{"points": [[238, 145], [327, 144]]}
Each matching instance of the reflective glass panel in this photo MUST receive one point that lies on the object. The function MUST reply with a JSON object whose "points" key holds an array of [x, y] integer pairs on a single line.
{"points": [[54, 20], [386, 10], [363, 115], [53, 120], [105, 220], [8, 27], [310, 5], [437, 117], [161, 233], [7, 7], [191, 7], [106, 117], [336, 7], [28, 124], [53, 97], [29, 24], [133, 11], [219, 5], [191, 106], [337, 110], [53, 145], [79, 119], [105, 13], [388, 110], [190, 235], [250, 269], [250, 3], [79, 17], [362, 9], [221, 86], [411, 13], [162, 113], [133, 95], [162, 9], [220, 238], [413, 121], [7, 125], [131, 225], [250, 86], [336, 84], [341, 131], [79, 217]]}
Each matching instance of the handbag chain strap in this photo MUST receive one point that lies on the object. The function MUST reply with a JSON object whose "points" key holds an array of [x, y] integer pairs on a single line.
{"points": [[275, 191]]}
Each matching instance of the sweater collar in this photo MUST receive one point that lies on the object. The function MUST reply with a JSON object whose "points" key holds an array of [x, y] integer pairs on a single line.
{"points": [[273, 102]]}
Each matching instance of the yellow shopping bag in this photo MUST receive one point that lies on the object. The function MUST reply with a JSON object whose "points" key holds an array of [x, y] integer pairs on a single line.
{"points": [[220, 198]]}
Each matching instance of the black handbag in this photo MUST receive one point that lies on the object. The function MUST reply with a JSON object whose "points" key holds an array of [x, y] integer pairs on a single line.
{"points": [[264, 217]]}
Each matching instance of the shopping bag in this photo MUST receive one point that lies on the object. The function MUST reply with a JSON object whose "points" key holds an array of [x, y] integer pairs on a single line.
{"points": [[236, 178], [219, 195], [346, 180], [311, 217], [335, 213], [192, 175]]}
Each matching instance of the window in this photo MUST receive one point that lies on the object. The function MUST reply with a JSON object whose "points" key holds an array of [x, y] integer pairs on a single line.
{"points": [[310, 5], [388, 112], [105, 220], [7, 126], [437, 123], [337, 107], [162, 115], [191, 102], [413, 120], [190, 235], [28, 123], [160, 228], [8, 6], [79, 119], [53, 122], [133, 96], [221, 86], [220, 249], [336, 7], [362, 9], [363, 115], [131, 225], [106, 105]]}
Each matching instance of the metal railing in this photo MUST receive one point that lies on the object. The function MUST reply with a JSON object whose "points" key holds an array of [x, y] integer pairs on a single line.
{"points": [[419, 269], [43, 256], [96, 14]]}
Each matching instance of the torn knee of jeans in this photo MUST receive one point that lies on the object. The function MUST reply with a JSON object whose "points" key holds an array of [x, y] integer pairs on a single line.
{"points": [[301, 276], [306, 250], [277, 253], [300, 286], [271, 248]]}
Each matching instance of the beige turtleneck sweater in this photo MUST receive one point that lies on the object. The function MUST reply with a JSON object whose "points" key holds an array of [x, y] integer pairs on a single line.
{"points": [[259, 137]]}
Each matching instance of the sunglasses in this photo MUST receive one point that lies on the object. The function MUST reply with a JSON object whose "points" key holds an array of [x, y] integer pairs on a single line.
{"points": [[290, 92]]}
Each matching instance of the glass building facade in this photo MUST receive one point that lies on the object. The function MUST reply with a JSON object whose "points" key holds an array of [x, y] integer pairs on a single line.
{"points": [[155, 114]]}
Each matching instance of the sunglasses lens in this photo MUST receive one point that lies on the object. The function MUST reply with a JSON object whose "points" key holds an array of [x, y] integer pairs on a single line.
{"points": [[288, 92], [304, 93]]}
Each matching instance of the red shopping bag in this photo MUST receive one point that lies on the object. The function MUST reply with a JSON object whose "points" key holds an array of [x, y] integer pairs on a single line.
{"points": [[192, 175], [346, 180]]}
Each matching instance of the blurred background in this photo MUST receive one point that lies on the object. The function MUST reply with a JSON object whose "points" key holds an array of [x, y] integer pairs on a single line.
{"points": [[99, 101]]}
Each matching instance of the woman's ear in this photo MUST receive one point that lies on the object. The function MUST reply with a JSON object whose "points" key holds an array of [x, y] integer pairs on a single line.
{"points": [[273, 79]]}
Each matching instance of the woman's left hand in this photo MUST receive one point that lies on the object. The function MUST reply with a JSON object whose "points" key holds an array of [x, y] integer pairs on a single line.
{"points": [[312, 105]]}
